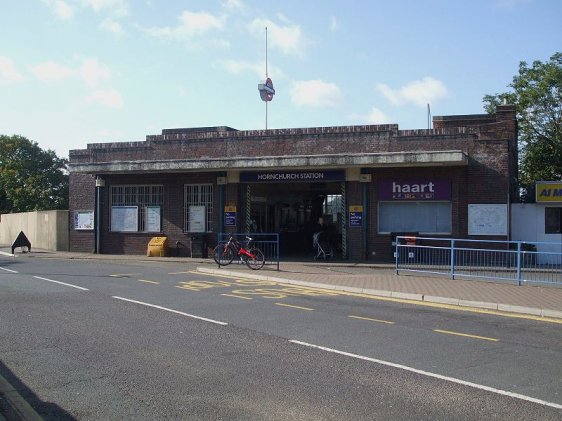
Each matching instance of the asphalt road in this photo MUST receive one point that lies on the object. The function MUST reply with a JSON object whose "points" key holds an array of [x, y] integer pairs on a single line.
{"points": [[105, 340]]}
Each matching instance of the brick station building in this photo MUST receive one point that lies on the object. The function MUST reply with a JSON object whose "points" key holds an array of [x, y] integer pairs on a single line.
{"points": [[366, 181]]}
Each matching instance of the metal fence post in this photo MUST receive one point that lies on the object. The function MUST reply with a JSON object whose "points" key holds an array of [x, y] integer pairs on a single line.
{"points": [[396, 254], [452, 259], [519, 263], [277, 247]]}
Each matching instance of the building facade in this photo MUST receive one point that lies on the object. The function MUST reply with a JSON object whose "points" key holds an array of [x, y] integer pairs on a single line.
{"points": [[367, 182]]}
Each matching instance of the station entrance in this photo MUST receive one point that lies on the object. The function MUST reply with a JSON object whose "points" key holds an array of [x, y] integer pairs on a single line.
{"points": [[294, 210]]}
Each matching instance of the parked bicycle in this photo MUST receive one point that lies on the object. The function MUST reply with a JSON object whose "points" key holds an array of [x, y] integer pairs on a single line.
{"points": [[251, 255]]}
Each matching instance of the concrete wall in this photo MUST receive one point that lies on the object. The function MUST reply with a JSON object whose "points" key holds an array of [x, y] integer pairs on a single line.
{"points": [[527, 224], [47, 230]]}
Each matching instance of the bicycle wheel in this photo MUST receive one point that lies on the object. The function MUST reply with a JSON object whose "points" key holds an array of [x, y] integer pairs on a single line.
{"points": [[257, 262], [223, 256]]}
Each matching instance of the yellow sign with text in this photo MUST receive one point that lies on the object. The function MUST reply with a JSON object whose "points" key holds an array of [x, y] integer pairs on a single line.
{"points": [[356, 208], [549, 192]]}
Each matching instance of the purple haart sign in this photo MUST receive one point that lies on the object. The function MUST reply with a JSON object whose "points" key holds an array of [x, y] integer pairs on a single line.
{"points": [[429, 189]]}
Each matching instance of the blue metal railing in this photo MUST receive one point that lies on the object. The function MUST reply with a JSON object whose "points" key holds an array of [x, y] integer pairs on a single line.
{"points": [[516, 261], [268, 243]]}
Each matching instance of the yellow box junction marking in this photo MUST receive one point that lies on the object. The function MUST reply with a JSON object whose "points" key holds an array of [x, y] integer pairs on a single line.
{"points": [[292, 306], [236, 296], [371, 320], [411, 302], [448, 332]]}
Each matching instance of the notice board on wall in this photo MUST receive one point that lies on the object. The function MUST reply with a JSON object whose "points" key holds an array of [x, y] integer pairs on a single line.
{"points": [[197, 218], [152, 219], [487, 219], [83, 220], [125, 218]]}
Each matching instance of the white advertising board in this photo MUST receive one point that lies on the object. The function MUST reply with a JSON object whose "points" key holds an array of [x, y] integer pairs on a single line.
{"points": [[125, 218], [152, 219], [197, 218], [84, 220], [488, 219]]}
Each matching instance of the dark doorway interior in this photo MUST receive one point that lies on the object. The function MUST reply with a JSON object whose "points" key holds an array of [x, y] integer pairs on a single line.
{"points": [[293, 211]]}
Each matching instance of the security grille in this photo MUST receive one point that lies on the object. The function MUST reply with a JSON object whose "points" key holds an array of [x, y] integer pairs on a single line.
{"points": [[198, 195]]}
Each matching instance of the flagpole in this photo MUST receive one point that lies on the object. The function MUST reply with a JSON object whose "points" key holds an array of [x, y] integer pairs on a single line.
{"points": [[266, 75]]}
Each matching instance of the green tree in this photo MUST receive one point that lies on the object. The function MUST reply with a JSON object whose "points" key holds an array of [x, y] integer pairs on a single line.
{"points": [[537, 94], [30, 177]]}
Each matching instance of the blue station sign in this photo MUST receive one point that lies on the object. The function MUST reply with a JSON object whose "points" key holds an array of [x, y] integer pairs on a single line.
{"points": [[312, 176]]}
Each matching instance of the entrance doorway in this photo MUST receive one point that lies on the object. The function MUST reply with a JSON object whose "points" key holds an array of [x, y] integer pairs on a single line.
{"points": [[293, 210]]}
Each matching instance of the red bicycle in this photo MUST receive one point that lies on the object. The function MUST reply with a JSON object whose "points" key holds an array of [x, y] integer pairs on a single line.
{"points": [[251, 255]]}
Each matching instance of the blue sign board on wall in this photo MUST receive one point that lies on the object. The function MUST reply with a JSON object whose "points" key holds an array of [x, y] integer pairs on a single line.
{"points": [[312, 176], [356, 216], [230, 216]]}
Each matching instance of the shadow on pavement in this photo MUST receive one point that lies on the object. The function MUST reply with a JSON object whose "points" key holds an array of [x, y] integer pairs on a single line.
{"points": [[46, 410]]}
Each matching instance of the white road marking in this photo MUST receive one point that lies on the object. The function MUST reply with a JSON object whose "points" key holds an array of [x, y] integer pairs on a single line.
{"points": [[172, 311], [9, 270], [61, 283], [434, 375], [3, 253]]}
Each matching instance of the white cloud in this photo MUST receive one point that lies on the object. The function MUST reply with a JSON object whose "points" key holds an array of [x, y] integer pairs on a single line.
{"points": [[60, 8], [110, 25], [91, 71], [418, 92], [288, 38], [191, 24], [8, 72], [109, 98], [52, 72], [375, 116], [114, 7], [315, 93], [334, 24], [233, 5]]}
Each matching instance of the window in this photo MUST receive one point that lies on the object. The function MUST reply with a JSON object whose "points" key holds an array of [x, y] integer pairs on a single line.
{"points": [[552, 220], [333, 205], [198, 207], [133, 208], [424, 217]]}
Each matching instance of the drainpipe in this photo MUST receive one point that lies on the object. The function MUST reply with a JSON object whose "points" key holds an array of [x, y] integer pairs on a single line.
{"points": [[365, 184], [100, 184]]}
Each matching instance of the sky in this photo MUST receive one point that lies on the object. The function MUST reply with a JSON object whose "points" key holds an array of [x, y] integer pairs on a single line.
{"points": [[74, 72]]}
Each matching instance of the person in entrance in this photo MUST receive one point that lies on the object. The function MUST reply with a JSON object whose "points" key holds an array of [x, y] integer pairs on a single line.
{"points": [[321, 241]]}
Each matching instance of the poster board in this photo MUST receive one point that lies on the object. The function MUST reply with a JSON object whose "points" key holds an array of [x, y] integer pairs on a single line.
{"points": [[197, 218], [83, 220], [487, 219], [125, 218], [152, 219]]}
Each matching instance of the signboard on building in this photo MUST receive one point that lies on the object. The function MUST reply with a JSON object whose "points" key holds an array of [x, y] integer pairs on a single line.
{"points": [[125, 218], [152, 219], [313, 176], [230, 216], [549, 191], [197, 218], [356, 216], [420, 189], [84, 220], [487, 219]]}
